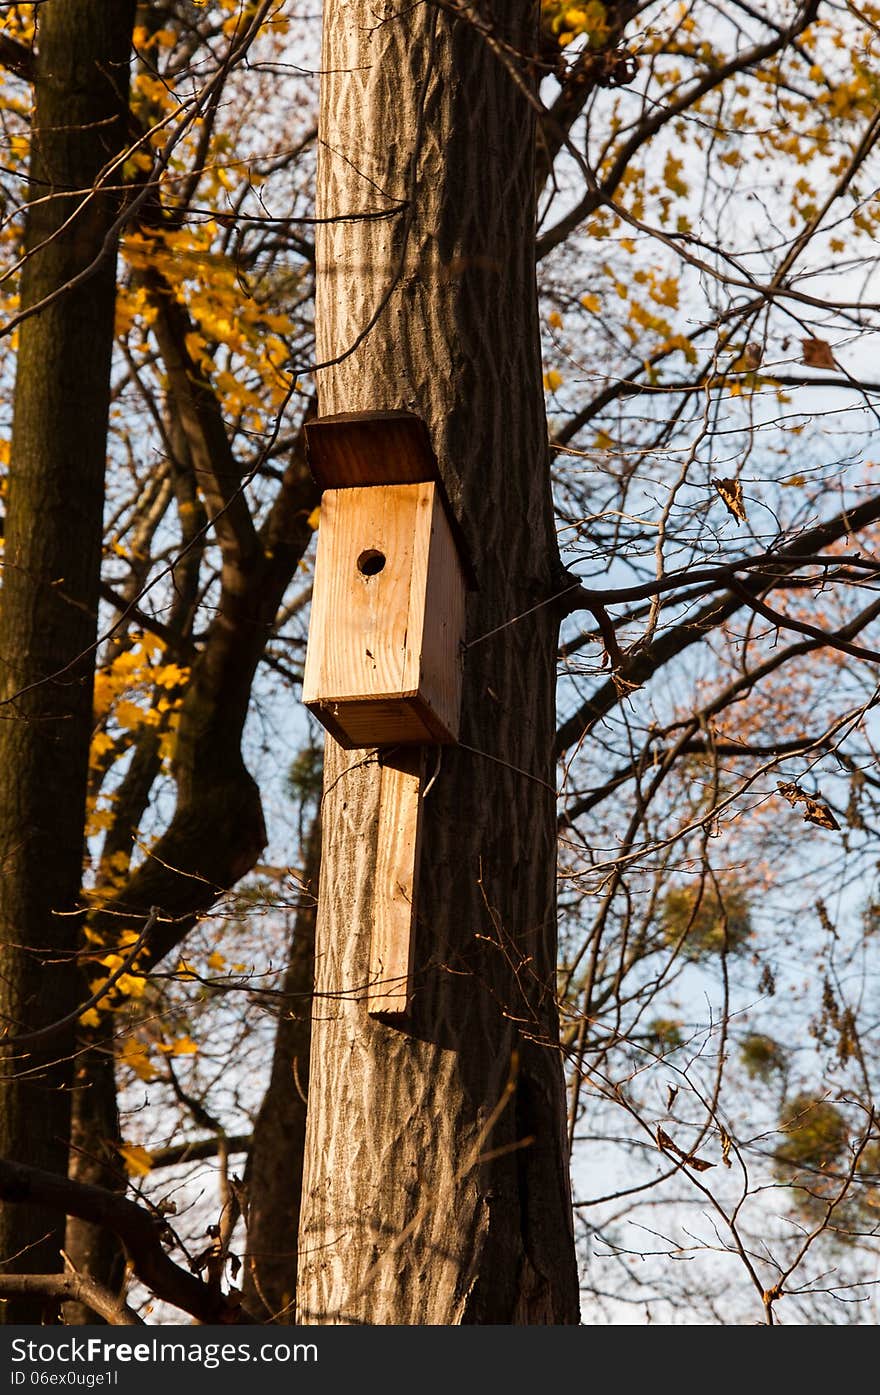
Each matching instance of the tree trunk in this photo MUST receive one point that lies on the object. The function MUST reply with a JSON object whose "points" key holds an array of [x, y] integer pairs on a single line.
{"points": [[94, 1251], [436, 1187], [95, 1133], [48, 615], [275, 1166]]}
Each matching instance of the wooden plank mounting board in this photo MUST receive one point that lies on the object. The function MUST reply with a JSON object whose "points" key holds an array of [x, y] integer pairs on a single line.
{"points": [[392, 938]]}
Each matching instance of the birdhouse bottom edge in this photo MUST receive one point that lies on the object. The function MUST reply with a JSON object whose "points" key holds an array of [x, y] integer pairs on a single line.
{"points": [[400, 721]]}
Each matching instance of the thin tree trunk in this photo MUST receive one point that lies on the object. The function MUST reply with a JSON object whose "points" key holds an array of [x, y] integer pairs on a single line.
{"points": [[95, 1132], [94, 1251], [275, 1166], [51, 572], [436, 1185]]}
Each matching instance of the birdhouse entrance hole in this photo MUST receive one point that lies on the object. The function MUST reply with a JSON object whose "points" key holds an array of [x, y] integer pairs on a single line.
{"points": [[371, 562]]}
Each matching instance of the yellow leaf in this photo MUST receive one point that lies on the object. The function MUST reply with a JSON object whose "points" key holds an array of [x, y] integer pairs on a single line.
{"points": [[553, 380], [591, 303], [136, 1056], [130, 986], [152, 88], [101, 744], [99, 820], [196, 345], [184, 1046], [129, 715], [216, 961], [90, 1018], [314, 518], [151, 645], [554, 320], [138, 1161], [170, 676], [672, 175]]}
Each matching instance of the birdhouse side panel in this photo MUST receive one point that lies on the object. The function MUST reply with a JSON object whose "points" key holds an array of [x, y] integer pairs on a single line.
{"points": [[440, 666]]}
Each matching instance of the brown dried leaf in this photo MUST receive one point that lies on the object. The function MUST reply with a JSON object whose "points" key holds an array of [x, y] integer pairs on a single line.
{"points": [[691, 1159], [664, 1141], [817, 811], [671, 1092], [791, 792], [731, 493], [818, 354], [618, 68], [820, 814], [726, 1141], [751, 357]]}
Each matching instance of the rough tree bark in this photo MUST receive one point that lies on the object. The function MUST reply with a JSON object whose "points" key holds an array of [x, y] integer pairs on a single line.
{"points": [[94, 1251], [436, 1186], [51, 572]]}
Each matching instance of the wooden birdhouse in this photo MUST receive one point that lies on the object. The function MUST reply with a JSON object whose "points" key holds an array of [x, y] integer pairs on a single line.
{"points": [[384, 659]]}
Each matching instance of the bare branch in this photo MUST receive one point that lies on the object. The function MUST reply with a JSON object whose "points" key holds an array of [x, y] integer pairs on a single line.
{"points": [[74, 1288], [639, 668], [140, 1232], [18, 58]]}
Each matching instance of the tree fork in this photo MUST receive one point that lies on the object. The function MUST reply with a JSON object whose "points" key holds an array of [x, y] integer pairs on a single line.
{"points": [[436, 1186], [48, 614]]}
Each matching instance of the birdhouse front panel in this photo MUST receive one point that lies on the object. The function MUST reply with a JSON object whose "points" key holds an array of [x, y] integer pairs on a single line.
{"points": [[383, 665]]}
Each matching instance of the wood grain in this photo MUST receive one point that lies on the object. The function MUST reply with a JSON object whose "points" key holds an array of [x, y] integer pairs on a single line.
{"points": [[383, 664], [397, 866], [443, 625], [361, 448]]}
